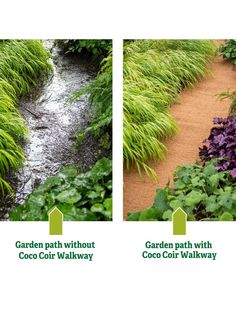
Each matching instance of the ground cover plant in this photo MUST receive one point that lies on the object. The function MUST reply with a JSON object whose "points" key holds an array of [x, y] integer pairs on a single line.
{"points": [[22, 62], [221, 144], [228, 50], [99, 48], [155, 71], [202, 191], [80, 196]]}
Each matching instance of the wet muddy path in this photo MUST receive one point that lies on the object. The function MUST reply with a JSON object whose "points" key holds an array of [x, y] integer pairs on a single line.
{"points": [[52, 122]]}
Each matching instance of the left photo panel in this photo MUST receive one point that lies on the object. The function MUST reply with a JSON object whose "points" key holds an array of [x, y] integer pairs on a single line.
{"points": [[56, 129]]}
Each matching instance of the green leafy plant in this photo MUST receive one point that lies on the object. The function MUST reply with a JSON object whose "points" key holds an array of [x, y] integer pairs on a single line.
{"points": [[228, 50], [202, 191], [221, 145], [80, 196], [100, 99], [155, 71], [22, 62], [96, 47]]}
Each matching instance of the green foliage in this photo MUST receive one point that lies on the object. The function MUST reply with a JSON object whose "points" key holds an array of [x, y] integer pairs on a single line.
{"points": [[232, 97], [96, 47], [80, 196], [22, 62], [201, 191], [155, 71], [228, 50], [100, 99]]}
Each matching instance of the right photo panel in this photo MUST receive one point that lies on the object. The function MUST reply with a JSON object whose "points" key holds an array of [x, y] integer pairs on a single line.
{"points": [[179, 129]]}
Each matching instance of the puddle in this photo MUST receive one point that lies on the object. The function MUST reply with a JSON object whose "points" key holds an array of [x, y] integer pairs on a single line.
{"points": [[52, 123]]}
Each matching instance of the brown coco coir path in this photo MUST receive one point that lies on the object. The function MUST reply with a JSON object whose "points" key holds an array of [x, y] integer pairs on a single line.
{"points": [[194, 113]]}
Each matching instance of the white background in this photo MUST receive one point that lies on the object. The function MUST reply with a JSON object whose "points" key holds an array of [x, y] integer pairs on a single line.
{"points": [[118, 280]]}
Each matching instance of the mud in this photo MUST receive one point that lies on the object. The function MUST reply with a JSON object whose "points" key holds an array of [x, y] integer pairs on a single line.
{"points": [[52, 122]]}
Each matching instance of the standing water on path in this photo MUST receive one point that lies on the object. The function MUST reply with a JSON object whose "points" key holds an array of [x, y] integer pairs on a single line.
{"points": [[52, 122]]}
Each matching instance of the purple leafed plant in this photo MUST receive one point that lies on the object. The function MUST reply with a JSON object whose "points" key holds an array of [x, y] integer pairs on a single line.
{"points": [[221, 144]]}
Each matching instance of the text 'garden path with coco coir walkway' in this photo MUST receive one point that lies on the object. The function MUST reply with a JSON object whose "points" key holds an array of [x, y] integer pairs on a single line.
{"points": [[194, 112]]}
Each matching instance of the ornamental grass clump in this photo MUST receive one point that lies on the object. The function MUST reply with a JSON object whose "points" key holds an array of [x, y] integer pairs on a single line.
{"points": [[232, 97], [155, 71], [22, 63]]}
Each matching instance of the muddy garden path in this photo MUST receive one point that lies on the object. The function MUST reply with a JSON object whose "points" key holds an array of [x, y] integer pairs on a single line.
{"points": [[193, 112], [52, 122]]}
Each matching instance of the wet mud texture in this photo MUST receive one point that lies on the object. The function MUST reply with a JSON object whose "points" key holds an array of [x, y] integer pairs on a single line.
{"points": [[194, 113], [52, 123]]}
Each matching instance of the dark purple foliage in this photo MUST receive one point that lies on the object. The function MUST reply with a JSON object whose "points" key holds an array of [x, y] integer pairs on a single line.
{"points": [[221, 144]]}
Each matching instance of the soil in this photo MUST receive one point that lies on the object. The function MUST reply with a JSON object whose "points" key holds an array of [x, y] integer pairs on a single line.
{"points": [[194, 112]]}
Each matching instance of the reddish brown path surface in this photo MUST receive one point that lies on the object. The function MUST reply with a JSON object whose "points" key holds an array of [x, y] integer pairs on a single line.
{"points": [[193, 113]]}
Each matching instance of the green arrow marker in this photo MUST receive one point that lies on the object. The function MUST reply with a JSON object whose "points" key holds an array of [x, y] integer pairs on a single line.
{"points": [[55, 221], [179, 218]]}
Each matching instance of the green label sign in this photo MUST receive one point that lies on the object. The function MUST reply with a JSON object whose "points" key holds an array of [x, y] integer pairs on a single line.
{"points": [[55, 217], [179, 218]]}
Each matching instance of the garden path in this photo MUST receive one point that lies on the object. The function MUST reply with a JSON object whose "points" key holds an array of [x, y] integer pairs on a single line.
{"points": [[193, 112], [53, 121]]}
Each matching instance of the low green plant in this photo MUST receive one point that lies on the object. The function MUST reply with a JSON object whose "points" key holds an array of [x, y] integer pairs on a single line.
{"points": [[80, 196], [228, 50], [22, 63], [155, 71], [97, 47], [100, 99], [221, 145], [202, 191]]}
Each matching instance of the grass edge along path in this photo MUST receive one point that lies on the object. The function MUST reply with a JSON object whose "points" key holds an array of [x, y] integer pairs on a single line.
{"points": [[22, 63], [155, 71]]}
